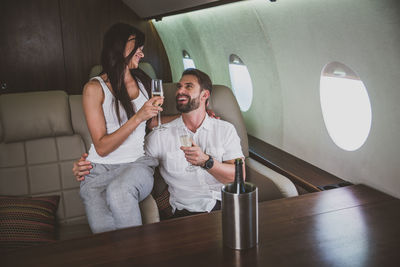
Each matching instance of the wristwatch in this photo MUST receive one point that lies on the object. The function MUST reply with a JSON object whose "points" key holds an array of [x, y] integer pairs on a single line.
{"points": [[209, 163]]}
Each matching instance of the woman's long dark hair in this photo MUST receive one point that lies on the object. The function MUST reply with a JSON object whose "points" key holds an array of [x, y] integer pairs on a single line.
{"points": [[114, 64]]}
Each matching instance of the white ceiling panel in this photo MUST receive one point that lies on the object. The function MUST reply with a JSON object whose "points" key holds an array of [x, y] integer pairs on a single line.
{"points": [[153, 8]]}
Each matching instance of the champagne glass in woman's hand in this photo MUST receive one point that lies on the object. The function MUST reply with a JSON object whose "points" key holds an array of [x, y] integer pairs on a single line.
{"points": [[157, 90], [184, 137]]}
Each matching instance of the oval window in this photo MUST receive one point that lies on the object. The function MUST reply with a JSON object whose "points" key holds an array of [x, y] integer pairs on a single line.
{"points": [[188, 62], [242, 86], [345, 105]]}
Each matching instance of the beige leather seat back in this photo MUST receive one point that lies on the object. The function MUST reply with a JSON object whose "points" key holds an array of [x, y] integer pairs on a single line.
{"points": [[37, 149], [41, 135]]}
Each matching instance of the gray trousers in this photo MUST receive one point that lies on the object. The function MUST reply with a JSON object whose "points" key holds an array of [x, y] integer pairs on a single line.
{"points": [[111, 193]]}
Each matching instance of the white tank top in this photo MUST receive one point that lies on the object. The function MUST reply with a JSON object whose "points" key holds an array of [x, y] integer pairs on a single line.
{"points": [[132, 148]]}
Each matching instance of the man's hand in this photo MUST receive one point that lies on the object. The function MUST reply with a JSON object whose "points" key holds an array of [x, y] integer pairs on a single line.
{"points": [[81, 168], [194, 154]]}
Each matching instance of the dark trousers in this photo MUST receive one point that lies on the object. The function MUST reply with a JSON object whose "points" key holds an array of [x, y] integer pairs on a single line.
{"points": [[183, 213]]}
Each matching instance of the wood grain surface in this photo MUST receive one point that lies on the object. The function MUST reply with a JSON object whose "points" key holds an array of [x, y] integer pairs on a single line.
{"points": [[350, 226]]}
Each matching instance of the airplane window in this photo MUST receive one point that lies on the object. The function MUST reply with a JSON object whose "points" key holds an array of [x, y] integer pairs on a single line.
{"points": [[345, 106], [187, 60], [241, 82]]}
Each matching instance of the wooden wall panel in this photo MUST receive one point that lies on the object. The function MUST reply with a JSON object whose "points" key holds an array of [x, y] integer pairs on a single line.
{"points": [[84, 24], [31, 46], [155, 53], [52, 45]]}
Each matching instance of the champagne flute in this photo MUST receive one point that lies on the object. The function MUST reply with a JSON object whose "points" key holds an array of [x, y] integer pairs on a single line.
{"points": [[157, 90], [184, 137]]}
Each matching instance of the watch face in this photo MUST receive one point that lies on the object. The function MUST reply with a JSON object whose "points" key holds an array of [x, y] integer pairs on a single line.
{"points": [[209, 163]]}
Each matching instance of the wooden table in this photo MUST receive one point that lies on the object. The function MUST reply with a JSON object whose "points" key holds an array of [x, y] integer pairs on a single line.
{"points": [[350, 226]]}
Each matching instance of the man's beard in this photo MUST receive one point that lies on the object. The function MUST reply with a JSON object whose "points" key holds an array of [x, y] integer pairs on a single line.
{"points": [[192, 104]]}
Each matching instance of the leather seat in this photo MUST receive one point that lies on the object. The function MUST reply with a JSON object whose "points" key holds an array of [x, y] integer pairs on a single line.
{"points": [[41, 135]]}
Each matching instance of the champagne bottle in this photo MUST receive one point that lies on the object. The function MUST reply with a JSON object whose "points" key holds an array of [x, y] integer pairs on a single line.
{"points": [[238, 184]]}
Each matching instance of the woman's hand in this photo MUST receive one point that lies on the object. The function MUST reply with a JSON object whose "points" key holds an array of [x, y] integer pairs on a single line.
{"points": [[150, 109], [212, 114], [104, 142], [81, 168]]}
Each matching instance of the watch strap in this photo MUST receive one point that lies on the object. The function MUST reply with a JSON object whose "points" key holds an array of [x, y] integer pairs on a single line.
{"points": [[209, 163]]}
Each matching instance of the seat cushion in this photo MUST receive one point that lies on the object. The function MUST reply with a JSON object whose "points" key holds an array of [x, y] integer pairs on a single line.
{"points": [[27, 221], [28, 116]]}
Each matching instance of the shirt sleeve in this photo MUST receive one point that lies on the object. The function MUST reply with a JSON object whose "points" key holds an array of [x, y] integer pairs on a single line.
{"points": [[232, 147]]}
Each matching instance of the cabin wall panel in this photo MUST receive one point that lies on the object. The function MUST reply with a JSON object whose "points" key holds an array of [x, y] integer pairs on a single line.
{"points": [[31, 46], [155, 53], [83, 31], [364, 35], [210, 38], [288, 43], [52, 45]]}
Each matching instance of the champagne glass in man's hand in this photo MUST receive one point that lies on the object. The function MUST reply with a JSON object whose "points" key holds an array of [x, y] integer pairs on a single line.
{"points": [[185, 140]]}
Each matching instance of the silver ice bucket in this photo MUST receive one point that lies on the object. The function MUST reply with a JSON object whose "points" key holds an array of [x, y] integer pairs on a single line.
{"points": [[240, 217]]}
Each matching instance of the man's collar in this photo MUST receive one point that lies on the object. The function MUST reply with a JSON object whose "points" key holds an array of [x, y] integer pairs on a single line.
{"points": [[206, 123]]}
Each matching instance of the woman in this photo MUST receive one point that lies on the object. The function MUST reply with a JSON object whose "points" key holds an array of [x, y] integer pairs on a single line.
{"points": [[117, 106]]}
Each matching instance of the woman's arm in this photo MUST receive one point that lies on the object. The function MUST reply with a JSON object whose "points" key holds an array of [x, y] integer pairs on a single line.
{"points": [[167, 118], [164, 119], [92, 105]]}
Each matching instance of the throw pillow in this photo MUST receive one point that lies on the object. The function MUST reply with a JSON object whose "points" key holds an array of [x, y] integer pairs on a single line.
{"points": [[27, 221]]}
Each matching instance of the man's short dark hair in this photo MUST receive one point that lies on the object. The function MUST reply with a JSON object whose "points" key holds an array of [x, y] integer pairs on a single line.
{"points": [[203, 79]]}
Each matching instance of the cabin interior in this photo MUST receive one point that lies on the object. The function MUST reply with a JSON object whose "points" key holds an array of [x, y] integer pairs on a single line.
{"points": [[287, 48]]}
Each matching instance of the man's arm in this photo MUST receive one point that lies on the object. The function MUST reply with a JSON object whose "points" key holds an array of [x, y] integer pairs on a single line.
{"points": [[225, 171], [168, 118], [81, 168], [164, 119], [222, 171]]}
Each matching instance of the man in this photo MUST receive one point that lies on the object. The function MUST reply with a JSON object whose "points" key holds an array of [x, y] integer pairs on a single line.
{"points": [[215, 145]]}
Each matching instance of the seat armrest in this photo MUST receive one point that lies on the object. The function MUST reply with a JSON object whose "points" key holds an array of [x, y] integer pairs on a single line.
{"points": [[149, 210], [271, 185]]}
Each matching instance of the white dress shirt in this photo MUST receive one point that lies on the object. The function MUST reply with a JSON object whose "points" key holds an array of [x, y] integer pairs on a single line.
{"points": [[197, 190]]}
